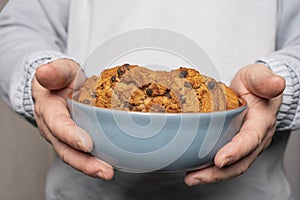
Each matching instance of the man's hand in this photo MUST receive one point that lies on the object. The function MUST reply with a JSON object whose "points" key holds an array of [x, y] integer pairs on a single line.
{"points": [[50, 87], [263, 91]]}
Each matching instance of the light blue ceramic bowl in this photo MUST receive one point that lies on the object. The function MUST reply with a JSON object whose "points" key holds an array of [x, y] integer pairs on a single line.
{"points": [[142, 142]]}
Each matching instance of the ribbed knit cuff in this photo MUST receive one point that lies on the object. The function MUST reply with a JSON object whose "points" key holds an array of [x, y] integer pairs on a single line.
{"points": [[289, 110], [21, 96]]}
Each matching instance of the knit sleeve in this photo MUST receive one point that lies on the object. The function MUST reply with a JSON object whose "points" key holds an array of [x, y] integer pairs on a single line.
{"points": [[289, 113], [20, 93], [285, 61], [32, 33]]}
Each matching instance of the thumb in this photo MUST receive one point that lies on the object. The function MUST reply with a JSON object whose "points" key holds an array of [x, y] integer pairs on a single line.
{"points": [[261, 81], [57, 74]]}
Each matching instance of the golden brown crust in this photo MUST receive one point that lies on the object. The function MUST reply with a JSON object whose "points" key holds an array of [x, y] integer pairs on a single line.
{"points": [[135, 88], [231, 99]]}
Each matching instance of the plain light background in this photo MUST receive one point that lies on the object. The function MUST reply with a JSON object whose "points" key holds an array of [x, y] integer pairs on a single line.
{"points": [[25, 157]]}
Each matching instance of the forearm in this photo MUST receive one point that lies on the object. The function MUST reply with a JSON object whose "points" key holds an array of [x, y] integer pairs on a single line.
{"points": [[30, 37]]}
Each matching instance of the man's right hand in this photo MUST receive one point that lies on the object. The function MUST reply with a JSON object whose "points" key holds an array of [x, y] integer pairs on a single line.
{"points": [[50, 87]]}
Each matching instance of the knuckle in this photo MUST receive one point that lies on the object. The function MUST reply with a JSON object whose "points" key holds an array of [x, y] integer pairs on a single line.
{"points": [[57, 121], [89, 167], [53, 121], [70, 135], [258, 137], [47, 136], [63, 154], [214, 176], [76, 142], [242, 169]]}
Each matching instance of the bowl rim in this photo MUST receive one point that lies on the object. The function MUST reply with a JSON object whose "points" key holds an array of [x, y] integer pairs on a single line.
{"points": [[243, 106]]}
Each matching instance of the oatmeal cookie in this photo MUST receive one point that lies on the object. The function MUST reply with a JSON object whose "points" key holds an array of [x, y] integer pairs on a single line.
{"points": [[136, 88]]}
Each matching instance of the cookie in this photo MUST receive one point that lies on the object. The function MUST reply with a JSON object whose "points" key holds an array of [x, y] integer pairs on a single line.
{"points": [[136, 88]]}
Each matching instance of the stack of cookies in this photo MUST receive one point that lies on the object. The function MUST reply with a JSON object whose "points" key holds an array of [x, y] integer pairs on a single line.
{"points": [[136, 88]]}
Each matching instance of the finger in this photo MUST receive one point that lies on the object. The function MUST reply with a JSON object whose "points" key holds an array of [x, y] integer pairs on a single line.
{"points": [[247, 140], [83, 162], [44, 131], [77, 159], [56, 115], [58, 74], [261, 81], [216, 174]]}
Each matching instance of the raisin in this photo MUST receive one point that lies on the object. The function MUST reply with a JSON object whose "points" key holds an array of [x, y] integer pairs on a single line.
{"points": [[126, 66], [149, 92], [113, 78], [183, 74], [120, 71], [128, 105], [182, 98], [167, 93], [93, 95], [211, 85], [187, 84]]}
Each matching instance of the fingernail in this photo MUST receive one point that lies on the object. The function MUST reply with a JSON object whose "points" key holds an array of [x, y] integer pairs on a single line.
{"points": [[225, 162], [194, 182], [85, 139], [103, 174], [100, 174]]}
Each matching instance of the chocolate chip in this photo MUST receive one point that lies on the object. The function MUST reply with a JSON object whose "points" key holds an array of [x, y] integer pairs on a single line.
{"points": [[126, 67], [187, 84], [211, 85], [167, 93], [113, 78], [93, 95], [149, 91], [128, 105], [157, 108], [120, 71], [182, 98], [183, 74]]}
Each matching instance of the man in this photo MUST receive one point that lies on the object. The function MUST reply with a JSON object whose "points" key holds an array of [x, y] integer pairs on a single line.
{"points": [[262, 36]]}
